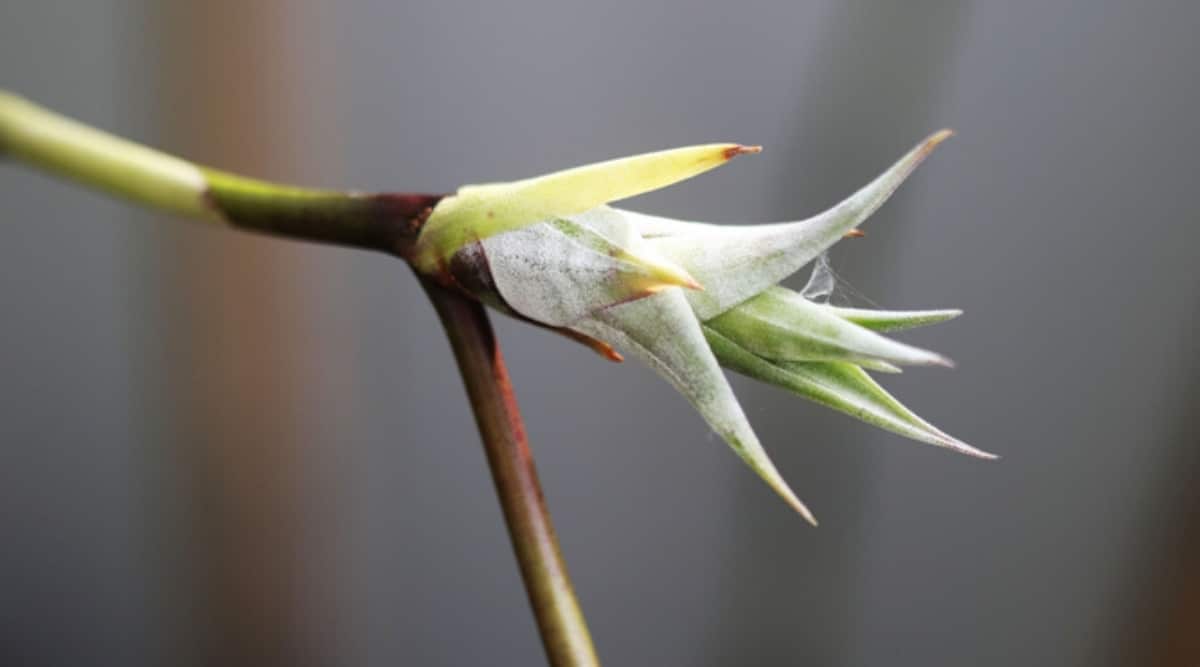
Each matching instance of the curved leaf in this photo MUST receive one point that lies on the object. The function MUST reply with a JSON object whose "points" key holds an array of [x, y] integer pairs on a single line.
{"points": [[736, 262], [841, 386], [780, 324], [477, 212], [664, 333]]}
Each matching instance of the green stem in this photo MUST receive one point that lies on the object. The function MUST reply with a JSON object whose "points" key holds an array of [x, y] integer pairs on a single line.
{"points": [[55, 143], [564, 632], [386, 222]]}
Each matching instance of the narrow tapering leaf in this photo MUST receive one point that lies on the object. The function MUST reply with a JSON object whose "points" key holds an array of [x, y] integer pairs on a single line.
{"points": [[879, 366], [780, 324], [664, 333], [838, 385], [477, 212], [735, 263], [893, 320]]}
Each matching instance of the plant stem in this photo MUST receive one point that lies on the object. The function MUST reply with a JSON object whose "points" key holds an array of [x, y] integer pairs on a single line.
{"points": [[564, 632], [386, 222]]}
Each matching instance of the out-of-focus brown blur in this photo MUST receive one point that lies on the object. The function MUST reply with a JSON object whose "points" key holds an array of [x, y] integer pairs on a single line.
{"points": [[217, 448], [228, 65]]}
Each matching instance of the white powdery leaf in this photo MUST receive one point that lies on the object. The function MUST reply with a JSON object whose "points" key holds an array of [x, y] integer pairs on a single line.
{"points": [[612, 224], [734, 263], [662, 331], [653, 226], [558, 271]]}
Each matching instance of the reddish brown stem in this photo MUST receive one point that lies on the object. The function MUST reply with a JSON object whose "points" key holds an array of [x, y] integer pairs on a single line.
{"points": [[564, 632]]}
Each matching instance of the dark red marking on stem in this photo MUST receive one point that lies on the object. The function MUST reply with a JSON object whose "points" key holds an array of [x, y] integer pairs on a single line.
{"points": [[389, 222]]}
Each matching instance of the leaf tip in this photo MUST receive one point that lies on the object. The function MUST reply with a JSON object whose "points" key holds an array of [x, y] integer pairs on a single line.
{"points": [[611, 354], [963, 448], [663, 274], [674, 280], [926, 147], [808, 516], [916, 356], [790, 498], [952, 443], [940, 136], [738, 149]]}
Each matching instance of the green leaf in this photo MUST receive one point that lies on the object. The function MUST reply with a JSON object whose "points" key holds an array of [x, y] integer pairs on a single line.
{"points": [[879, 366], [735, 263], [838, 385], [664, 333], [893, 320], [782, 325]]}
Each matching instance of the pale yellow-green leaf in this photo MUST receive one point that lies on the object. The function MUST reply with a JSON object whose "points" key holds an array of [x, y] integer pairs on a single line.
{"points": [[477, 212]]}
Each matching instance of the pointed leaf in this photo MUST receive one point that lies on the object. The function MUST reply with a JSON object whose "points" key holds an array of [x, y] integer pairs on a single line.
{"points": [[878, 366], [841, 386], [893, 320], [477, 212], [559, 271], [780, 324], [662, 330], [735, 263]]}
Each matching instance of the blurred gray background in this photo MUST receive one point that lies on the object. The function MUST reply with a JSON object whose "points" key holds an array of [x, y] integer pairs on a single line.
{"points": [[215, 446]]}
